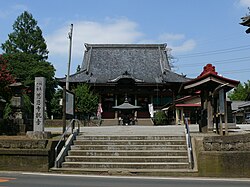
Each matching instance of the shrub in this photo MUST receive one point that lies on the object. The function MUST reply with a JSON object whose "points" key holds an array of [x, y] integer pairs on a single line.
{"points": [[160, 118]]}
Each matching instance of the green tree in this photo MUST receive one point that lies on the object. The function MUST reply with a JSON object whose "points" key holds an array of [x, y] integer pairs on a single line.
{"points": [[27, 106], [26, 52], [241, 92], [23, 66], [56, 109], [26, 38], [86, 100]]}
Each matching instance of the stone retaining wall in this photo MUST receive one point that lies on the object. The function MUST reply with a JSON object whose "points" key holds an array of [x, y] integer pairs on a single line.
{"points": [[27, 155], [239, 142], [23, 144], [223, 156], [54, 123]]}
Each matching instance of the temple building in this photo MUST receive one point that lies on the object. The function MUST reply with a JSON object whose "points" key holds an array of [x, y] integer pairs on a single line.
{"points": [[139, 72]]}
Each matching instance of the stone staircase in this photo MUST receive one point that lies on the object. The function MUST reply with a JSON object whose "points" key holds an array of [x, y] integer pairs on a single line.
{"points": [[151, 155]]}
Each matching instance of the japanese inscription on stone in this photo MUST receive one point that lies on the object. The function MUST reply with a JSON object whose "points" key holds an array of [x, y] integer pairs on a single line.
{"points": [[39, 104]]}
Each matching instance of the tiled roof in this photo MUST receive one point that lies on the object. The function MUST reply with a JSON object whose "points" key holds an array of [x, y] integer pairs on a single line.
{"points": [[246, 104], [104, 63], [210, 75], [236, 104]]}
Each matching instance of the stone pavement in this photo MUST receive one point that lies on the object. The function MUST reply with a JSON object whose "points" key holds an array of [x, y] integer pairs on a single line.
{"points": [[131, 130], [244, 127], [141, 130]]}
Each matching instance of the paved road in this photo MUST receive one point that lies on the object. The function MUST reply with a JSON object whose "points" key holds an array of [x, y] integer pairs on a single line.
{"points": [[48, 180]]}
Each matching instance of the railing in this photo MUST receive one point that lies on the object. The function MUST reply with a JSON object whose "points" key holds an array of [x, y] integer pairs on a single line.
{"points": [[60, 157], [189, 144]]}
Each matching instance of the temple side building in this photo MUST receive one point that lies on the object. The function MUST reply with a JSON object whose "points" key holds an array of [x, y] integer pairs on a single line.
{"points": [[139, 72]]}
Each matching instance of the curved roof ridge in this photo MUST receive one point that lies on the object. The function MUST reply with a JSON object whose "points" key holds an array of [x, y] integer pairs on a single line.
{"points": [[87, 45]]}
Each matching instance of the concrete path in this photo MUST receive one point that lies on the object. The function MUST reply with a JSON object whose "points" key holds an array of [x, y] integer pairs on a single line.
{"points": [[143, 130], [244, 127], [134, 130], [131, 130]]}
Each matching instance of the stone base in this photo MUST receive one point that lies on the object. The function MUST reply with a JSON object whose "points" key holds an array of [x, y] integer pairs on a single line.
{"points": [[38, 134], [22, 128]]}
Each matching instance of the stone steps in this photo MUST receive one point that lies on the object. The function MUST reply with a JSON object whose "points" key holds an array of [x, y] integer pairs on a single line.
{"points": [[129, 147], [137, 154], [127, 159], [127, 165], [131, 142], [130, 137], [128, 153]]}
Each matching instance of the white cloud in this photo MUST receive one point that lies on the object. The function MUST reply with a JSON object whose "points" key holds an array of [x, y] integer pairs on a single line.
{"points": [[111, 31], [177, 42], [186, 46], [245, 3]]}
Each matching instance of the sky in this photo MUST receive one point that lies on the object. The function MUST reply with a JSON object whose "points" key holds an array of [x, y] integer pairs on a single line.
{"points": [[197, 32]]}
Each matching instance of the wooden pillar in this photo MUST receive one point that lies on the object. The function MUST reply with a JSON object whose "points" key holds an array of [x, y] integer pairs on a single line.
{"points": [[210, 123], [182, 116], [222, 109], [116, 112], [176, 116], [174, 110], [135, 99], [115, 100], [221, 125], [204, 114]]}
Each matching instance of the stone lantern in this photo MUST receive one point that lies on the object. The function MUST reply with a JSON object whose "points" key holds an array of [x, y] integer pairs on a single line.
{"points": [[17, 105]]}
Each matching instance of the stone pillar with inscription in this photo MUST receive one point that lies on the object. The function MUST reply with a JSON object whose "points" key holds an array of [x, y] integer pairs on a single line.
{"points": [[39, 104], [39, 110]]}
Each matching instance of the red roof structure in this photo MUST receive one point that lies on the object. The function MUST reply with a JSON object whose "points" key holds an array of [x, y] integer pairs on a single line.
{"points": [[209, 78], [188, 105], [213, 88]]}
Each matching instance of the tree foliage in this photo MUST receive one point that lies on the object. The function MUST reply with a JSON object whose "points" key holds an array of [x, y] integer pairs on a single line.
{"points": [[26, 38], [56, 109], [86, 100], [160, 118], [24, 67], [5, 79], [241, 92], [26, 52]]}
